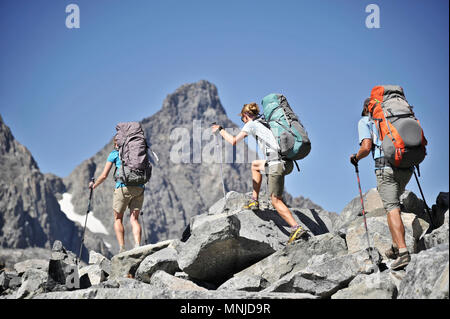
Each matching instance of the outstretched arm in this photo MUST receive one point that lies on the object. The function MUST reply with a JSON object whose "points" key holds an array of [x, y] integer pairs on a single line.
{"points": [[102, 177], [233, 140]]}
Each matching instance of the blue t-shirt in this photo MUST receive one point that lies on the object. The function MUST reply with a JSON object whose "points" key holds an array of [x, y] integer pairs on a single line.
{"points": [[115, 158], [368, 129]]}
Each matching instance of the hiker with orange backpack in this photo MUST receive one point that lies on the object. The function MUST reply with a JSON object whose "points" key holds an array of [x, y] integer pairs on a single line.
{"points": [[275, 167], [388, 128]]}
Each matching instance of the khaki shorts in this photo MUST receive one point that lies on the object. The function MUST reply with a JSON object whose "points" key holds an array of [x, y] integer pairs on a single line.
{"points": [[130, 196], [391, 184], [275, 178]]}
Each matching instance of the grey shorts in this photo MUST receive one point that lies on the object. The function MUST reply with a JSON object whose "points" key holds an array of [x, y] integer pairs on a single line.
{"points": [[130, 196], [391, 183], [275, 178]]}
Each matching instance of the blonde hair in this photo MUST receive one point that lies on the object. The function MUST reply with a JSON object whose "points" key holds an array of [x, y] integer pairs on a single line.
{"points": [[251, 109]]}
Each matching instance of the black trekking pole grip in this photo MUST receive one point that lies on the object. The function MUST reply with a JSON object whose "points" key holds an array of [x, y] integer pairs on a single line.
{"points": [[355, 163], [90, 195]]}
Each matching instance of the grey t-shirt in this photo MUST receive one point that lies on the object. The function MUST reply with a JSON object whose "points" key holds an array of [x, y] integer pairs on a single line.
{"points": [[266, 140]]}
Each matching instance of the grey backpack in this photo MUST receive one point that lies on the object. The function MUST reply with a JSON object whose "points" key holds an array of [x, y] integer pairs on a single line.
{"points": [[403, 140], [136, 168]]}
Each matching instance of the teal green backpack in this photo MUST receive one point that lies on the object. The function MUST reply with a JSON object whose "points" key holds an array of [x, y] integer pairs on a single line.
{"points": [[286, 127]]}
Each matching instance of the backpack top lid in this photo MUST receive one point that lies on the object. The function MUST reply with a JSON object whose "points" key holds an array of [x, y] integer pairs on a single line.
{"points": [[128, 129], [382, 93], [269, 102]]}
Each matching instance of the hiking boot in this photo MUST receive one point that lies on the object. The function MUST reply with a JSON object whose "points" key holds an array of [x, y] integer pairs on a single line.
{"points": [[252, 204], [392, 253], [296, 234], [402, 260]]}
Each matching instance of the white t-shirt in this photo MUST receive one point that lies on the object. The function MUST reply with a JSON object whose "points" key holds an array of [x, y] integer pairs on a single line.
{"points": [[265, 138]]}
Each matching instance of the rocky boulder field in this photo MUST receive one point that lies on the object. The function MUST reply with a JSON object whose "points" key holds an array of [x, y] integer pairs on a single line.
{"points": [[232, 253]]}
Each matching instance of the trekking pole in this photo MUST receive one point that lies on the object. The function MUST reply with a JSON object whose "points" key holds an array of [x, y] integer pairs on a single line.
{"points": [[85, 220], [363, 210], [423, 197], [221, 166]]}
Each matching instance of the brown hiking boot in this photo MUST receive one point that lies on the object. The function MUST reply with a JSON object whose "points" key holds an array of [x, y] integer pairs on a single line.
{"points": [[402, 261], [392, 253]]}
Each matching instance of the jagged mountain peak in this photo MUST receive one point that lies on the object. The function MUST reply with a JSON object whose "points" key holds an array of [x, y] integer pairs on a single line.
{"points": [[191, 101]]}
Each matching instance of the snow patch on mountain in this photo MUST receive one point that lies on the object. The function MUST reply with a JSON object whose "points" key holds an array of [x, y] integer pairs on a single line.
{"points": [[93, 224]]}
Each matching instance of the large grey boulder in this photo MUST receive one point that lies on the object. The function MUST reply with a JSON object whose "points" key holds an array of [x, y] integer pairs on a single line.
{"points": [[324, 276], [414, 205], [125, 264], [290, 259], [100, 260], [33, 282], [223, 244], [165, 281], [373, 206], [23, 266], [10, 281], [92, 275], [164, 259], [427, 275], [439, 235], [439, 209], [379, 285], [380, 236]]}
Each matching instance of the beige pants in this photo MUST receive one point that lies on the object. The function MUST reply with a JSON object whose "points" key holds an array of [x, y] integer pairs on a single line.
{"points": [[276, 174], [130, 196], [391, 183]]}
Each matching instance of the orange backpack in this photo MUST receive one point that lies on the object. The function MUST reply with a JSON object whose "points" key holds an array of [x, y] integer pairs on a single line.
{"points": [[403, 141]]}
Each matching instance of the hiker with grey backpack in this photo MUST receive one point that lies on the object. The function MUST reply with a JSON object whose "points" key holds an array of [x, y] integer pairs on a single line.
{"points": [[132, 171], [282, 139], [388, 128]]}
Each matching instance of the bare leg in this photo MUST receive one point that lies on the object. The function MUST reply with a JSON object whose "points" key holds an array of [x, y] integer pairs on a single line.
{"points": [[135, 226], [257, 166], [283, 210], [396, 228], [118, 228]]}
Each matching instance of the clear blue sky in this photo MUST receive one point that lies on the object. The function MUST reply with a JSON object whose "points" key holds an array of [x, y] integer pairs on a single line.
{"points": [[63, 90]]}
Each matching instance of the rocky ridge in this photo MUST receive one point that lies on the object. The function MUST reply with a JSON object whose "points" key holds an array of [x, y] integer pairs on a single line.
{"points": [[229, 252]]}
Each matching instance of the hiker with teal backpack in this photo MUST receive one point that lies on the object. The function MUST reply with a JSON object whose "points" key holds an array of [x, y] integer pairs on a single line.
{"points": [[388, 128], [132, 171], [271, 138]]}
